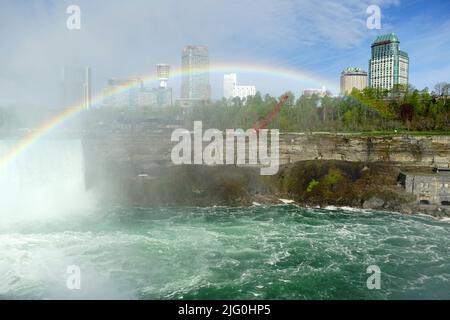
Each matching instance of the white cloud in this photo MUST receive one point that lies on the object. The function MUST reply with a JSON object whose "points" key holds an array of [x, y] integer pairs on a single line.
{"points": [[120, 38]]}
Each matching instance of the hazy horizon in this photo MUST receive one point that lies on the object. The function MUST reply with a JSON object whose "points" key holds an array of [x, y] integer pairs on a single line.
{"points": [[122, 39]]}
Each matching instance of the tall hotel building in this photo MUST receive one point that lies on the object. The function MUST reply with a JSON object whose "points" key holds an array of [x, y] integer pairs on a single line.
{"points": [[353, 78], [389, 65], [195, 85]]}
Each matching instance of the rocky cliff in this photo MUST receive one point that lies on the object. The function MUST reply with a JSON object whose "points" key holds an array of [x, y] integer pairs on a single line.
{"points": [[400, 150], [154, 149], [317, 169]]}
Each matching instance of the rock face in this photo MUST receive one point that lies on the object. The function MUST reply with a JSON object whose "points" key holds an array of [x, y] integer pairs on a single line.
{"points": [[373, 203], [317, 169], [154, 149], [402, 150]]}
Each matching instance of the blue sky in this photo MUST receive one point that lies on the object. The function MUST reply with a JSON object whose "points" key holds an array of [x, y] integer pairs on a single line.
{"points": [[127, 38]]}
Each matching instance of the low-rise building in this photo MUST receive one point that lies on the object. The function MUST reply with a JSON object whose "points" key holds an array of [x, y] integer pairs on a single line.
{"points": [[232, 90], [430, 188], [311, 91]]}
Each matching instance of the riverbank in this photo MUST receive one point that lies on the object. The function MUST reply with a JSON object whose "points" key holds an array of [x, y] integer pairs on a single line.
{"points": [[319, 183], [315, 170]]}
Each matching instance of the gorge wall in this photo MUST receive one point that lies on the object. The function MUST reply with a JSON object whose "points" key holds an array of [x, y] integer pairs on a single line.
{"points": [[143, 152], [315, 169], [400, 149]]}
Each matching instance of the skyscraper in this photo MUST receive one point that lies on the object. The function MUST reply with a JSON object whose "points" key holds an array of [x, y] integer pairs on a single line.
{"points": [[76, 86], [388, 66], [195, 85], [353, 78]]}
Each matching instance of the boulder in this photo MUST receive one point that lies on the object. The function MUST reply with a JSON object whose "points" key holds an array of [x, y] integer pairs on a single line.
{"points": [[373, 203]]}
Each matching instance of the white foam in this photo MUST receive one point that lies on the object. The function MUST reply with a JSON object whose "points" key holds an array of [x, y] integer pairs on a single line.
{"points": [[287, 201]]}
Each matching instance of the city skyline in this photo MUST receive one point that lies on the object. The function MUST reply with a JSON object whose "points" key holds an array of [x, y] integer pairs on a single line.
{"points": [[322, 44]]}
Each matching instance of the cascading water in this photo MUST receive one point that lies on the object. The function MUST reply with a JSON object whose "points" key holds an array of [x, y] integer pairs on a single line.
{"points": [[46, 181]]}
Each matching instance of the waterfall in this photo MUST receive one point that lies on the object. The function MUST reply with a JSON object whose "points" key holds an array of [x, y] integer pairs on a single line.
{"points": [[45, 181]]}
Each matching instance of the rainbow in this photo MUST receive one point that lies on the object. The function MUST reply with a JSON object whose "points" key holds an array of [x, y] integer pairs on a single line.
{"points": [[274, 72]]}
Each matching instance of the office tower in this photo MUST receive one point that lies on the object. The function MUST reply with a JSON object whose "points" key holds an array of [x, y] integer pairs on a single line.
{"points": [[388, 66], [353, 78], [195, 85], [76, 87], [231, 89]]}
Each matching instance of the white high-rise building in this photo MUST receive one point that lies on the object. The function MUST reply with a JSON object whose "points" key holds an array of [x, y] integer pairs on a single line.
{"points": [[229, 83], [232, 90], [388, 66]]}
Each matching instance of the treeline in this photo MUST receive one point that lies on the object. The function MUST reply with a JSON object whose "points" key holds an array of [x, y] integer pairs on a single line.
{"points": [[415, 110], [396, 110], [399, 109]]}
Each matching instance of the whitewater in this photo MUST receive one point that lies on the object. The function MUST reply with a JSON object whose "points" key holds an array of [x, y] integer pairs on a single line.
{"points": [[49, 223]]}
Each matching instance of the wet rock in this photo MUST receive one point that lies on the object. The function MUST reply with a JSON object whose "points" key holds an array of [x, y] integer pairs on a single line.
{"points": [[373, 203]]}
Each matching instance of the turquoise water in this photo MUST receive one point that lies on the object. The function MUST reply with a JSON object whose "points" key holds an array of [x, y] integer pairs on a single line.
{"points": [[279, 252]]}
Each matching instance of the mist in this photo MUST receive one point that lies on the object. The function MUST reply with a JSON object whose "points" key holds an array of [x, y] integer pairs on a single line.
{"points": [[46, 182]]}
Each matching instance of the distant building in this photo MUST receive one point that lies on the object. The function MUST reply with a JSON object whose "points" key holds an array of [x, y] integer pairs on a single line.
{"points": [[244, 91], [76, 87], [229, 83], [232, 90], [195, 86], [147, 98], [123, 92], [353, 78], [388, 66], [163, 93], [163, 73], [429, 188], [161, 96], [319, 92]]}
